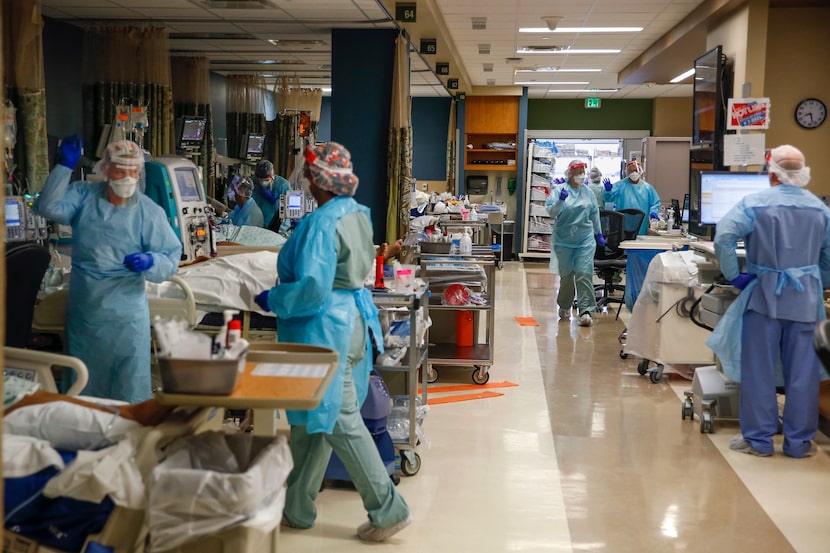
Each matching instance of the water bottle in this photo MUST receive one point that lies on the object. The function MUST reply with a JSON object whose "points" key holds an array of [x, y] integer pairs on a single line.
{"points": [[455, 249], [466, 242]]}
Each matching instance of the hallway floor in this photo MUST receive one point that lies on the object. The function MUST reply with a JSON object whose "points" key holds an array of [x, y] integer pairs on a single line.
{"points": [[583, 455]]}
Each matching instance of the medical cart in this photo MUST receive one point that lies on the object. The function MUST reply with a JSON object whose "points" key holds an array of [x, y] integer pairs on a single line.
{"points": [[416, 307], [464, 270]]}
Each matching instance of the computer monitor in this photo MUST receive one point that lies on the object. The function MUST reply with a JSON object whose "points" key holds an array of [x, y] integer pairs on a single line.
{"points": [[192, 131], [254, 145], [187, 182], [720, 190], [684, 218]]}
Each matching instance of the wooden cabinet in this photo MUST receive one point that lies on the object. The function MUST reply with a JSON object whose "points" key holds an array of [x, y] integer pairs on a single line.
{"points": [[492, 127]]}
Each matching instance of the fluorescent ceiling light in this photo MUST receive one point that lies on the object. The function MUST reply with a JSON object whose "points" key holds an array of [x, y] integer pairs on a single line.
{"points": [[591, 90], [567, 51], [549, 82], [555, 70], [683, 76], [581, 30], [326, 89]]}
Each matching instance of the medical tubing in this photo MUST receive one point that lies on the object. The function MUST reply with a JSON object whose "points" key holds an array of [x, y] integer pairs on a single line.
{"points": [[696, 307]]}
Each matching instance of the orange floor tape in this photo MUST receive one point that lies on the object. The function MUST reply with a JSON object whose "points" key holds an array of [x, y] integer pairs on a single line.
{"points": [[461, 397], [526, 321], [433, 389]]}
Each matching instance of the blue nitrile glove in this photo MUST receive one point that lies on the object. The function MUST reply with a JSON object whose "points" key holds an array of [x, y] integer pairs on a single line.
{"points": [[70, 151], [560, 180], [261, 300], [653, 216], [601, 240], [742, 280], [563, 194], [606, 182], [138, 262], [266, 192]]}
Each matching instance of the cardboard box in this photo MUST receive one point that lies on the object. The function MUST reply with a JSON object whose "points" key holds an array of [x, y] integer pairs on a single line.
{"points": [[14, 543]]}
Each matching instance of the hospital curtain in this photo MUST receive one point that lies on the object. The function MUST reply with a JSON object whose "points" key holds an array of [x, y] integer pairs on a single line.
{"points": [[131, 64], [451, 144], [246, 110], [399, 156], [26, 89], [291, 98], [191, 96]]}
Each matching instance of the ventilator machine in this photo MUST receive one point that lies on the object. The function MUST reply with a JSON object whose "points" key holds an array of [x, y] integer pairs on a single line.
{"points": [[174, 183]]}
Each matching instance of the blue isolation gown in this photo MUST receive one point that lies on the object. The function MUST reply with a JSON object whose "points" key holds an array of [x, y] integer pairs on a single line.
{"points": [[108, 325], [626, 195], [573, 244], [248, 214], [766, 336]]}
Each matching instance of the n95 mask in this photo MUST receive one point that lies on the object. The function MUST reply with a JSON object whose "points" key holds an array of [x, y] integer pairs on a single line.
{"points": [[124, 188], [634, 177]]}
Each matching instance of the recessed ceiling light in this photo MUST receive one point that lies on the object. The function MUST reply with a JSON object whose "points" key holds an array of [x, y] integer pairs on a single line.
{"points": [[581, 30], [557, 70], [591, 90], [273, 41], [683, 76], [559, 50], [551, 82], [267, 62]]}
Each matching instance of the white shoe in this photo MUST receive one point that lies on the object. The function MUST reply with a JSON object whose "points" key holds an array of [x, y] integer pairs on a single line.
{"points": [[368, 532], [586, 320], [564, 313]]}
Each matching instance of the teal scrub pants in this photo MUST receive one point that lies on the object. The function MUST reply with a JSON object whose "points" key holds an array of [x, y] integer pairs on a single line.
{"points": [[353, 444], [574, 281]]}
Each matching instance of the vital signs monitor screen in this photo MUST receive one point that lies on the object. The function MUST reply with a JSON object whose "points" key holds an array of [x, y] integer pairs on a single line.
{"points": [[720, 190], [188, 184]]}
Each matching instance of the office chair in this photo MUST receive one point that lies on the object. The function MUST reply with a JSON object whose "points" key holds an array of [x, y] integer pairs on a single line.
{"points": [[25, 266], [609, 261], [633, 220]]}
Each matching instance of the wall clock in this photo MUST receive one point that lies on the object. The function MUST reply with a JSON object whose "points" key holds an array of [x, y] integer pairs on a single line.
{"points": [[810, 113]]}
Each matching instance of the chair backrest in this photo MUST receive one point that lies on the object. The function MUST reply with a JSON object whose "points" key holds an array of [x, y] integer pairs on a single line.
{"points": [[633, 221], [611, 223], [25, 267]]}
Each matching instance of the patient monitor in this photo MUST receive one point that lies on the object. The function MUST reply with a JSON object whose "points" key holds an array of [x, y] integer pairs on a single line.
{"points": [[174, 183]]}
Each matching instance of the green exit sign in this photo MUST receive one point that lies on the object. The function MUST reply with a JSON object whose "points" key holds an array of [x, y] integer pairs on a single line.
{"points": [[592, 103]]}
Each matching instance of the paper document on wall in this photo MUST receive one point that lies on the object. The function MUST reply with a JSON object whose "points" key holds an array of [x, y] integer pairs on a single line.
{"points": [[295, 370], [744, 149]]}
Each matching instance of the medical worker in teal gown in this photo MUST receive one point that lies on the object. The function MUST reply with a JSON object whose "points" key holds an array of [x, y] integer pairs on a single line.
{"points": [[246, 212], [576, 233], [268, 190], [633, 192], [766, 336], [120, 238], [319, 299]]}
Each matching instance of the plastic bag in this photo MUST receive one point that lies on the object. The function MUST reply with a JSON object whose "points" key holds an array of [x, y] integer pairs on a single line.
{"points": [[213, 481]]}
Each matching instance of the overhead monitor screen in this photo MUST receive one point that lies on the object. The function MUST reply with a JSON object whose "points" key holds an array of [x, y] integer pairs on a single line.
{"points": [[719, 191], [187, 182], [255, 144], [193, 130]]}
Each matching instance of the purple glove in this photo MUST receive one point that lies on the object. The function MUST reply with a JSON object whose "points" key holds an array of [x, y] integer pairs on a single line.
{"points": [[563, 194], [267, 194], [138, 262], [262, 301], [601, 240], [560, 180], [70, 151], [606, 182], [742, 280], [653, 216]]}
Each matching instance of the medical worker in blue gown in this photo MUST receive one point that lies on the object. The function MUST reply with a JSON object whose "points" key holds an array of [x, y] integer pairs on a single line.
{"points": [[268, 188], [319, 299], [246, 212], [576, 233], [633, 192], [768, 330], [120, 238]]}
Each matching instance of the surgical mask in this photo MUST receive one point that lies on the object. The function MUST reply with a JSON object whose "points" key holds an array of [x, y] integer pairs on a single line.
{"points": [[124, 188], [596, 180], [634, 176], [579, 177]]}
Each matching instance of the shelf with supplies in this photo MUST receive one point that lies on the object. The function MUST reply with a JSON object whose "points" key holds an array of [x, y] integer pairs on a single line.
{"points": [[404, 320], [490, 152], [457, 338], [538, 225]]}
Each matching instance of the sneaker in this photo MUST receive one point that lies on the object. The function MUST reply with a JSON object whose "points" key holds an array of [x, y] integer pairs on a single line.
{"points": [[739, 444], [810, 452], [564, 313], [586, 320], [368, 532]]}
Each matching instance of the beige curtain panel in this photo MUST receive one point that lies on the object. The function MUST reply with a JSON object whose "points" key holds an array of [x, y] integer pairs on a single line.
{"points": [[246, 94], [290, 96], [191, 80]]}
